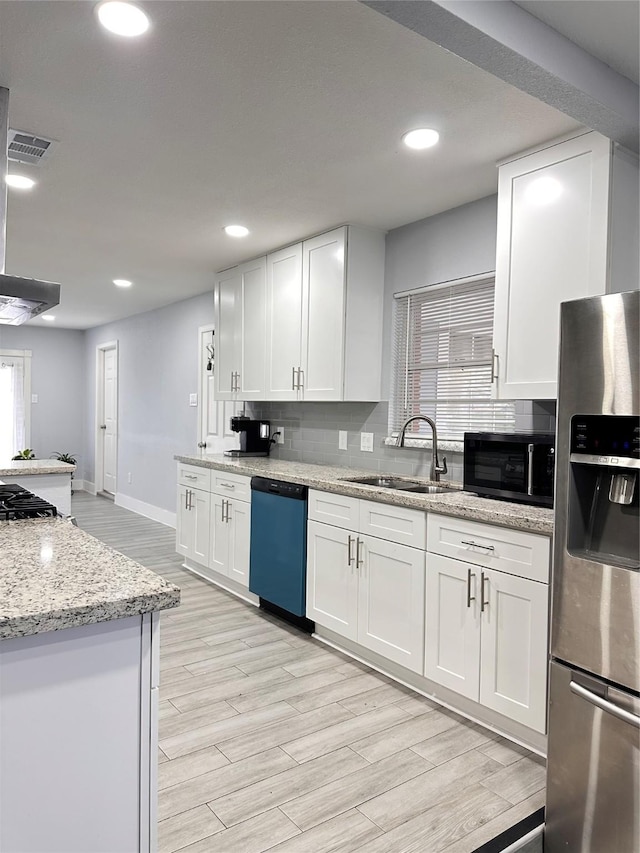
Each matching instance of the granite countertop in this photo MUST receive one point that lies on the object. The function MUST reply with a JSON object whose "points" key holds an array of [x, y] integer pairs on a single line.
{"points": [[454, 502], [20, 467], [54, 575]]}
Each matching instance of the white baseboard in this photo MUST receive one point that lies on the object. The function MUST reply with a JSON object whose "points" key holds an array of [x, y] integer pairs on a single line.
{"points": [[155, 513], [83, 486]]}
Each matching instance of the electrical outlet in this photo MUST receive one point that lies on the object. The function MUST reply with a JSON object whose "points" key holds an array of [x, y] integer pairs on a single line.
{"points": [[34, 398], [366, 441], [193, 399], [129, 477], [342, 439], [280, 435]]}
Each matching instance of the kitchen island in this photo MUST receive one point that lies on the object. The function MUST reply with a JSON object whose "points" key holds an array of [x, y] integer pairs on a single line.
{"points": [[50, 479], [78, 692]]}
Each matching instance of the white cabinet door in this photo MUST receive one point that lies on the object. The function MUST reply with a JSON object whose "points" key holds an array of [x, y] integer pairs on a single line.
{"points": [[452, 642], [252, 344], [200, 508], [184, 524], [227, 300], [514, 648], [332, 582], [323, 313], [240, 532], [552, 245], [284, 322], [220, 546], [391, 601]]}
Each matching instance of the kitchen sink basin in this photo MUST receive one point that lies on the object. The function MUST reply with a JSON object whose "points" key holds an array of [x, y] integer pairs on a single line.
{"points": [[398, 484]]}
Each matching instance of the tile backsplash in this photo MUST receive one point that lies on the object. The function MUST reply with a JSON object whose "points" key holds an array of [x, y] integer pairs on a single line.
{"points": [[311, 435]]}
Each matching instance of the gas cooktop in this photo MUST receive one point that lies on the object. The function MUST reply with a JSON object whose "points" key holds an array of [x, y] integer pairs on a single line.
{"points": [[18, 503]]}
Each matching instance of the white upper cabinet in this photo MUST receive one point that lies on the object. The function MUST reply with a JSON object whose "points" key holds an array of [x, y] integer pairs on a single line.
{"points": [[239, 342], [284, 322], [324, 317], [555, 213]]}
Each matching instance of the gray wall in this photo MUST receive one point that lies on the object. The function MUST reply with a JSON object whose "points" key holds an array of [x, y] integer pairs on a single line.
{"points": [[58, 378], [158, 369]]}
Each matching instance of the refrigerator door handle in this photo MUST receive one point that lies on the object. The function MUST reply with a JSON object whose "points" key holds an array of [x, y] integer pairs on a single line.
{"points": [[605, 705]]}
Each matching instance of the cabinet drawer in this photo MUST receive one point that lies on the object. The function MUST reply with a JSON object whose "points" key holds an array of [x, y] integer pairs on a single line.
{"points": [[231, 485], [513, 551], [393, 523], [194, 476], [339, 510]]}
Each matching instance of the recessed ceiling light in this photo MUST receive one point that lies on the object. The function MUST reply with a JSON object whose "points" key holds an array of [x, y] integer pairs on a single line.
{"points": [[236, 230], [48, 317], [123, 19], [420, 138], [122, 282], [20, 182]]}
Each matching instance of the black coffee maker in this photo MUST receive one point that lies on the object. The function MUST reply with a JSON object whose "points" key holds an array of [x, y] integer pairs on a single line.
{"points": [[255, 437]]}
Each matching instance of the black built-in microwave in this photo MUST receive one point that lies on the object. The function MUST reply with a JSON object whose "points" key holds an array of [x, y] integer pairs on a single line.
{"points": [[511, 466]]}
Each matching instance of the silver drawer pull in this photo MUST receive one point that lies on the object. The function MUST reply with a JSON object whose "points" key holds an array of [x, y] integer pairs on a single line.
{"points": [[604, 704], [227, 485], [190, 477], [477, 545]]}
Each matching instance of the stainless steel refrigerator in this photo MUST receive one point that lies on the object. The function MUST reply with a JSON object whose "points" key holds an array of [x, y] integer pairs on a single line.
{"points": [[593, 769]]}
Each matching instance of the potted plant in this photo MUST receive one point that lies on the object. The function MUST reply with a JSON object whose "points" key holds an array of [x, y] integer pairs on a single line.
{"points": [[65, 457], [27, 453]]}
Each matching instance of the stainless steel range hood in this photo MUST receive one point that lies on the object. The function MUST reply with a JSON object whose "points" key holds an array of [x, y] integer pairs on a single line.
{"points": [[20, 298]]}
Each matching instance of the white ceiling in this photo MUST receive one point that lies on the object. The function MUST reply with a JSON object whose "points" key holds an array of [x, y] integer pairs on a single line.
{"points": [[608, 29], [284, 116]]}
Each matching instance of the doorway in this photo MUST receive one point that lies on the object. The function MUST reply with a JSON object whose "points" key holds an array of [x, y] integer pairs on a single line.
{"points": [[214, 434], [106, 462]]}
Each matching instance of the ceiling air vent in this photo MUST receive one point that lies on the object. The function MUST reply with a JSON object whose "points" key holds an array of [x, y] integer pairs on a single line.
{"points": [[26, 148]]}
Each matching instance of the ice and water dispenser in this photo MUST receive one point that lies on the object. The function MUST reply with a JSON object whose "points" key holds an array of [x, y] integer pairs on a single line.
{"points": [[604, 522]]}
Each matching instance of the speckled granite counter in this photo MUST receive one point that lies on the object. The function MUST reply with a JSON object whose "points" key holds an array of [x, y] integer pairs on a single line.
{"points": [[20, 467], [332, 479], [54, 575]]}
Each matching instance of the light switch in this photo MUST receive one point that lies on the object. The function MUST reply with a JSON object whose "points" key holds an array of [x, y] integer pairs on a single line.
{"points": [[34, 398], [342, 439], [366, 441], [193, 399]]}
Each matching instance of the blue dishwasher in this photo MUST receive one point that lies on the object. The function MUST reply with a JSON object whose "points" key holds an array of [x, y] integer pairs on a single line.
{"points": [[278, 565]]}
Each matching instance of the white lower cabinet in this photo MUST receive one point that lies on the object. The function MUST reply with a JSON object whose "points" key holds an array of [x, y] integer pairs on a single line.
{"points": [[367, 590], [230, 538], [486, 637], [192, 523]]}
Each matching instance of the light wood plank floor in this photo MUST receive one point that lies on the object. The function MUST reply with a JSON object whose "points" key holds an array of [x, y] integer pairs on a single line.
{"points": [[271, 741]]}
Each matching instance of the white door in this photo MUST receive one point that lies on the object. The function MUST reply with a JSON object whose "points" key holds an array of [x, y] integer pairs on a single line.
{"points": [[220, 536], [227, 301], [452, 645], [513, 669], [108, 419], [391, 601], [214, 435], [184, 524], [240, 530], [323, 316], [284, 322], [332, 580], [252, 378]]}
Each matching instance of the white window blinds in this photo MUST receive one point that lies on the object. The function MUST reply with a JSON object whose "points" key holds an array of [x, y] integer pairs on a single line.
{"points": [[443, 339]]}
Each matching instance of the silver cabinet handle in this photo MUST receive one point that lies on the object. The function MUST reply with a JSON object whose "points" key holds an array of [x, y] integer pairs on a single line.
{"points": [[350, 542], [186, 498], [293, 379], [483, 603], [470, 597], [359, 559], [530, 469], [300, 379], [227, 485], [494, 362], [231, 388], [222, 518], [190, 476], [237, 386], [605, 705], [473, 544], [227, 516]]}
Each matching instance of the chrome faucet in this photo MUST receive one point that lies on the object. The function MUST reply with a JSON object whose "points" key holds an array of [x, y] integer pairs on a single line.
{"points": [[436, 468]]}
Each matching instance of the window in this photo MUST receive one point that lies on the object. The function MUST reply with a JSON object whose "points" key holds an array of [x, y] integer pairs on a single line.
{"points": [[443, 351], [15, 401]]}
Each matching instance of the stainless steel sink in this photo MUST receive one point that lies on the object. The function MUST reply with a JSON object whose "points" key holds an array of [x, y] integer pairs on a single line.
{"points": [[382, 482]]}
